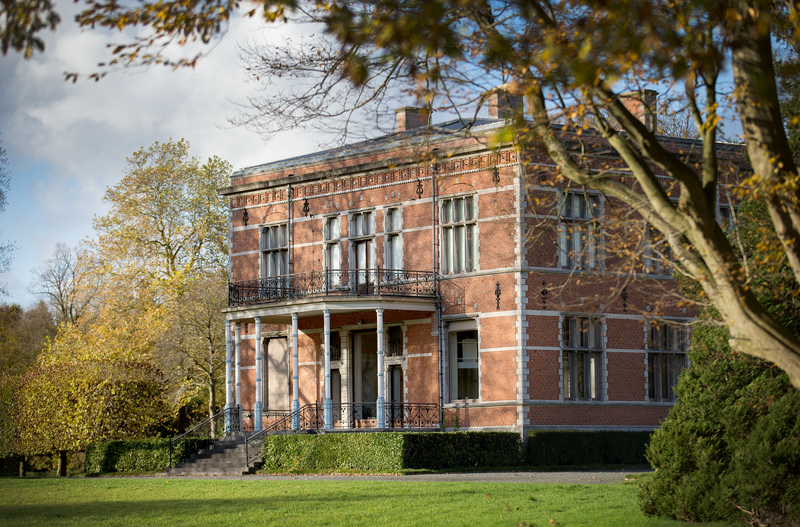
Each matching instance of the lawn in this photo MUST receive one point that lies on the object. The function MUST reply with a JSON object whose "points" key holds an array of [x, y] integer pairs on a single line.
{"points": [[160, 502]]}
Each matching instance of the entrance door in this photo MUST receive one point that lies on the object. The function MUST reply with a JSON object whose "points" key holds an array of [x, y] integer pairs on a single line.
{"points": [[365, 364], [396, 396], [276, 364]]}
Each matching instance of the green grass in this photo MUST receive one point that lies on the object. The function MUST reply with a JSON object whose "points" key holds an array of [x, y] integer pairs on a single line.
{"points": [[159, 502]]}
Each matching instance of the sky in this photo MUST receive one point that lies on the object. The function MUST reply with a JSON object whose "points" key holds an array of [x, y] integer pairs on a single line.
{"points": [[66, 143]]}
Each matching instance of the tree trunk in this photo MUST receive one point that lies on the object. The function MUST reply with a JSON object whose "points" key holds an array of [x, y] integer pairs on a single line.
{"points": [[212, 403], [22, 468], [62, 463]]}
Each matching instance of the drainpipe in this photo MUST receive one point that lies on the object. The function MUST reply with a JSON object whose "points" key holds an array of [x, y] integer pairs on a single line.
{"points": [[434, 212], [289, 226]]}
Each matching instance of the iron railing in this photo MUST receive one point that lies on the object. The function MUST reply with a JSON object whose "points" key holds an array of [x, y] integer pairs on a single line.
{"points": [[389, 282], [308, 417], [348, 416], [227, 421]]}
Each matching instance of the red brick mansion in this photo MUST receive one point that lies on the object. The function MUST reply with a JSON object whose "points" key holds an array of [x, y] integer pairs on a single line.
{"points": [[388, 279]]}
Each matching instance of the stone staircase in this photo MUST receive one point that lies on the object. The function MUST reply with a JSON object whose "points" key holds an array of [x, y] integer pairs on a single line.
{"points": [[226, 456]]}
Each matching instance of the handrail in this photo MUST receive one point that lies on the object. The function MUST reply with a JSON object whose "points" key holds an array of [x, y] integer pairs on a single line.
{"points": [[281, 424], [229, 425], [333, 282]]}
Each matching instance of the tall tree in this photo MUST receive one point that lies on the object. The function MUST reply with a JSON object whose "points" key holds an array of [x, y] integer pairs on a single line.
{"points": [[65, 283], [192, 349], [23, 335], [6, 248], [167, 223]]}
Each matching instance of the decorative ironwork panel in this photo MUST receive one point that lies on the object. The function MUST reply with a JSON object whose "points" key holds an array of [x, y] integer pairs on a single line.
{"points": [[332, 282]]}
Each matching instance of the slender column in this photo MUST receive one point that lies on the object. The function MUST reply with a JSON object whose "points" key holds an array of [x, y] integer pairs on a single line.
{"points": [[238, 348], [228, 376], [259, 405], [328, 404], [380, 402], [295, 376]]}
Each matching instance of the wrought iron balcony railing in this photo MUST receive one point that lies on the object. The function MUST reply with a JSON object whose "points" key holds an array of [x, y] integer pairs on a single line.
{"points": [[390, 282]]}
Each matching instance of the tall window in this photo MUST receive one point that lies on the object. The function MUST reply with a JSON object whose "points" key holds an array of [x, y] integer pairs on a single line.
{"points": [[274, 251], [666, 358], [394, 250], [579, 231], [331, 234], [362, 232], [459, 235], [464, 364], [726, 218], [657, 253], [582, 358]]}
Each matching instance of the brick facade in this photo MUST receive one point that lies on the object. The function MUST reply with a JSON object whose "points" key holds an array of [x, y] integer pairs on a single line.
{"points": [[509, 285]]}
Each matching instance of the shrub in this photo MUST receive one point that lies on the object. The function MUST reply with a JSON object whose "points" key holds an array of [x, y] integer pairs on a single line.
{"points": [[575, 447], [462, 449], [391, 450], [138, 455], [731, 444]]}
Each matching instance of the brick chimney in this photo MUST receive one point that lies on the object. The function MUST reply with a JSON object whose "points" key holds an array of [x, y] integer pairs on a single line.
{"points": [[503, 104], [409, 117], [643, 104]]}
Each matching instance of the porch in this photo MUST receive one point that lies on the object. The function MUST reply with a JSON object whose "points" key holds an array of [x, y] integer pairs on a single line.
{"points": [[350, 362]]}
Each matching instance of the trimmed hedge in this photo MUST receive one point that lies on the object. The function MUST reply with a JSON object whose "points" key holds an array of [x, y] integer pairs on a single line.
{"points": [[575, 447], [138, 455], [390, 451]]}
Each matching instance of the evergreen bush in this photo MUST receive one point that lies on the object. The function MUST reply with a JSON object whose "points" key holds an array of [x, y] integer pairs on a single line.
{"points": [[731, 446]]}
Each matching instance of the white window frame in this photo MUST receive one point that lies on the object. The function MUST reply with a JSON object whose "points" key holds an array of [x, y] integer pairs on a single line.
{"points": [[332, 254], [393, 240], [582, 339], [667, 342], [465, 362], [657, 253], [579, 230], [458, 222], [274, 248], [361, 238]]}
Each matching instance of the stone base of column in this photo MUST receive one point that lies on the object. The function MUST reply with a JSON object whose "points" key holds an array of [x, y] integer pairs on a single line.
{"points": [[327, 414], [381, 413], [258, 422], [295, 415], [228, 418]]}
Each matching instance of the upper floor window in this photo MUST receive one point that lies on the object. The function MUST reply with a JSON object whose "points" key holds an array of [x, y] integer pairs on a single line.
{"points": [[361, 224], [657, 253], [331, 234], [274, 247], [579, 231], [667, 343], [582, 358], [394, 246], [361, 233], [459, 234]]}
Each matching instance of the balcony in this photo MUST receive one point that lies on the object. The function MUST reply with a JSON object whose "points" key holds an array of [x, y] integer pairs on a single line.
{"points": [[379, 282]]}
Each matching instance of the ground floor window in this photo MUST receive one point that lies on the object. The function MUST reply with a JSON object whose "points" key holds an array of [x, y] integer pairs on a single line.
{"points": [[667, 343], [582, 358], [464, 371]]}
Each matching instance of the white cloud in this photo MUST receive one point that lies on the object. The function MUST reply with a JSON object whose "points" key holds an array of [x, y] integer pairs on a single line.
{"points": [[68, 142]]}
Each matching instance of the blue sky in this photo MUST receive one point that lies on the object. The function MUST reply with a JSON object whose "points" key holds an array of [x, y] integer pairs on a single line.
{"points": [[67, 143]]}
